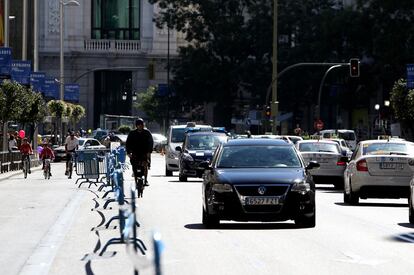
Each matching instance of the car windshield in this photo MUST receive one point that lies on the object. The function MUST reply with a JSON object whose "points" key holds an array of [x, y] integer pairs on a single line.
{"points": [[258, 157], [318, 147], [207, 142], [177, 135], [385, 149], [81, 141]]}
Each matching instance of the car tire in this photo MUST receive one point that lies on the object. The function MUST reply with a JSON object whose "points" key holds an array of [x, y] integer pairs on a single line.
{"points": [[352, 198], [410, 210], [306, 221], [210, 221], [339, 184], [168, 173], [182, 178]]}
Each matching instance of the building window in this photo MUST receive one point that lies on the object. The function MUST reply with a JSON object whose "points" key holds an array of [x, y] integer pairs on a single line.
{"points": [[115, 19]]}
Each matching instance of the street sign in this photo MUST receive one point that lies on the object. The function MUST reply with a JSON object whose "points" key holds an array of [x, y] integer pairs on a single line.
{"points": [[37, 80], [72, 92], [318, 124], [5, 61], [51, 88], [20, 71], [410, 76]]}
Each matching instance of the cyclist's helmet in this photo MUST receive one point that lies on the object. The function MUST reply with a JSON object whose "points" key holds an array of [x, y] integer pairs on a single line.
{"points": [[139, 121]]}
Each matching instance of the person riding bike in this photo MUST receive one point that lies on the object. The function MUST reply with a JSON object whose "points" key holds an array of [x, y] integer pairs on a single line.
{"points": [[139, 145], [71, 144], [26, 151], [47, 153]]}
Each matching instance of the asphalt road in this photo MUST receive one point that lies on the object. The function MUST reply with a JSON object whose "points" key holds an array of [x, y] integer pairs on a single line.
{"points": [[47, 227]]}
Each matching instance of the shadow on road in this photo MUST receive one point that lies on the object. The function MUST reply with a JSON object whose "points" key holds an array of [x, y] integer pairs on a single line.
{"points": [[328, 189], [374, 204], [244, 226], [192, 180]]}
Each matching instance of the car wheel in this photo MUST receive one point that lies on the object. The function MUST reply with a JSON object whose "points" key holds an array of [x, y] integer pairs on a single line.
{"points": [[410, 210], [168, 173], [182, 178], [306, 221], [353, 197], [339, 184], [210, 221]]}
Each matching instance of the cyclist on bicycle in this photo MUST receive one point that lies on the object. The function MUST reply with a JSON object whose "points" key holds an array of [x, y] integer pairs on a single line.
{"points": [[47, 153], [71, 144], [139, 145], [26, 150]]}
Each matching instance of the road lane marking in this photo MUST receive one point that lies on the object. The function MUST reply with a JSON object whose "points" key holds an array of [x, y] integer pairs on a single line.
{"points": [[357, 259], [42, 257]]}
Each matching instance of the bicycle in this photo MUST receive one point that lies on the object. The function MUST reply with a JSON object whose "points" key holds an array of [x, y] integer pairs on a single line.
{"points": [[46, 169], [139, 180], [26, 159]]}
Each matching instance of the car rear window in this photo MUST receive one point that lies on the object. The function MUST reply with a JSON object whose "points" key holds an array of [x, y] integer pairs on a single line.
{"points": [[347, 135], [207, 142], [384, 148], [177, 135], [258, 156], [318, 147]]}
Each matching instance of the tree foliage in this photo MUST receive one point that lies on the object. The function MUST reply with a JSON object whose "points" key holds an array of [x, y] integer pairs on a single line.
{"points": [[13, 96], [56, 107], [152, 104], [78, 113], [34, 110], [124, 129], [402, 101]]}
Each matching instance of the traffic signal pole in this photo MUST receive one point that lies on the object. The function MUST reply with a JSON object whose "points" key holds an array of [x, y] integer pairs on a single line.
{"points": [[274, 103]]}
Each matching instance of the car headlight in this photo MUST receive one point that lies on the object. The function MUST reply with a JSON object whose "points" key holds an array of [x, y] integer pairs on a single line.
{"points": [[221, 188], [187, 157], [301, 187]]}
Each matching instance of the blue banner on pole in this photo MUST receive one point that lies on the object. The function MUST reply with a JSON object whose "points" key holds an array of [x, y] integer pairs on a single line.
{"points": [[410, 76], [72, 92], [20, 71], [51, 88], [5, 61], [37, 80], [162, 89]]}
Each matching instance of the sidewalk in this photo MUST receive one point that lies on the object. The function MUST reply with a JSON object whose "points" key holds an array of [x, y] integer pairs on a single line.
{"points": [[7, 175]]}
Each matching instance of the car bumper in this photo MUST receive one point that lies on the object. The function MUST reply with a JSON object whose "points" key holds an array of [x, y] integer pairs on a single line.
{"points": [[229, 207], [191, 169], [380, 186], [171, 163], [339, 172], [60, 155]]}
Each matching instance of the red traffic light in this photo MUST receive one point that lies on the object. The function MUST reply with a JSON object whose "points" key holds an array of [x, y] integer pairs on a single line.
{"points": [[354, 67]]}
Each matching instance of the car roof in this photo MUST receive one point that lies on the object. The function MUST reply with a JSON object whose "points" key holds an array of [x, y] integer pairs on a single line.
{"points": [[257, 141], [394, 141], [317, 141], [183, 126], [206, 133]]}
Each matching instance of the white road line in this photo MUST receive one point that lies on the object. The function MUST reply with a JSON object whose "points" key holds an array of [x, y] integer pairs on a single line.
{"points": [[42, 257]]}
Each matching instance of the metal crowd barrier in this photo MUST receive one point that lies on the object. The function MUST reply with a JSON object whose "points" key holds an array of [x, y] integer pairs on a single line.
{"points": [[90, 165], [12, 161]]}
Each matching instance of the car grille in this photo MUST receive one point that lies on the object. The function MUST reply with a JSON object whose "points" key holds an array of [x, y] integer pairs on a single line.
{"points": [[262, 208], [271, 190]]}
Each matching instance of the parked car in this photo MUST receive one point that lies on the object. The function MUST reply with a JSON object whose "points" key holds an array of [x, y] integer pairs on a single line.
{"points": [[328, 154], [258, 180], [84, 144], [198, 147], [175, 137], [159, 141], [379, 169]]}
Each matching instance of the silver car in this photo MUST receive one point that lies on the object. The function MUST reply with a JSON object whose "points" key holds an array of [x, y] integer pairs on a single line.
{"points": [[328, 154], [379, 169]]}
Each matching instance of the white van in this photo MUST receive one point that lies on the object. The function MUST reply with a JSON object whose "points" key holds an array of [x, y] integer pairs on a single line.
{"points": [[175, 137], [348, 135]]}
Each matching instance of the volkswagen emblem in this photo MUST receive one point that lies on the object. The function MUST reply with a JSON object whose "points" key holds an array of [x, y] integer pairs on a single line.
{"points": [[261, 190]]}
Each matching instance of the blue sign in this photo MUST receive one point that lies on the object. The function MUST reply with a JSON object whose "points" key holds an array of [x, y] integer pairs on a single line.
{"points": [[162, 90], [5, 61], [21, 70], [410, 76], [51, 88], [72, 92], [37, 80]]}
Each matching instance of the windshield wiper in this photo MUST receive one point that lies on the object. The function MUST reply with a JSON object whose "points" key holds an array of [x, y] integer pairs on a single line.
{"points": [[327, 151], [398, 153]]}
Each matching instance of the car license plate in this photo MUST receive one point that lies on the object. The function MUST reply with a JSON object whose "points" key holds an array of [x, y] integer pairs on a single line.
{"points": [[391, 165], [261, 200]]}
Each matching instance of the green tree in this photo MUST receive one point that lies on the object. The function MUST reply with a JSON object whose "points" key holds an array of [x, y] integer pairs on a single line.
{"points": [[402, 104], [124, 129], [78, 113], [154, 106]]}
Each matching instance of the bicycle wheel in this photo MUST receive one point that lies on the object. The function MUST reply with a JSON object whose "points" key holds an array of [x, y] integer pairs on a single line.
{"points": [[25, 168]]}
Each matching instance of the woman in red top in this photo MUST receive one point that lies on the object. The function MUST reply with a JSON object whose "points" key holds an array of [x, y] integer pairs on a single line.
{"points": [[47, 153], [26, 150]]}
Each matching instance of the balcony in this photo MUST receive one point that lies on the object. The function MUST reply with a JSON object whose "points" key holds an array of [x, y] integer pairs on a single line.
{"points": [[112, 46]]}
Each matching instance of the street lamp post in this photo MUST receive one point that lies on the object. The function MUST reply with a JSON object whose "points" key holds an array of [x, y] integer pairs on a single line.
{"points": [[62, 74]]}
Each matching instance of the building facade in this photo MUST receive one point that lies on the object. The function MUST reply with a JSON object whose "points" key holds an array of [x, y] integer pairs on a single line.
{"points": [[111, 49]]}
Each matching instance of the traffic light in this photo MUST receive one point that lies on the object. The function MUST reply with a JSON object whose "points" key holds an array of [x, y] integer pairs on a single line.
{"points": [[268, 112], [151, 71], [354, 67]]}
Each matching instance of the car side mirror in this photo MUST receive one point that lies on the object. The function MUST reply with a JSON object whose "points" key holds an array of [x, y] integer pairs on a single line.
{"points": [[205, 165], [178, 148], [313, 165]]}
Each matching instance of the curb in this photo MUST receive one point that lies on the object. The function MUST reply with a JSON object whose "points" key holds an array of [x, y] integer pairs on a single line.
{"points": [[8, 175]]}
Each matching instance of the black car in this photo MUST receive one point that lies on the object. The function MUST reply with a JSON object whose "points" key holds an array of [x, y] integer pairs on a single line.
{"points": [[258, 180], [198, 147]]}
